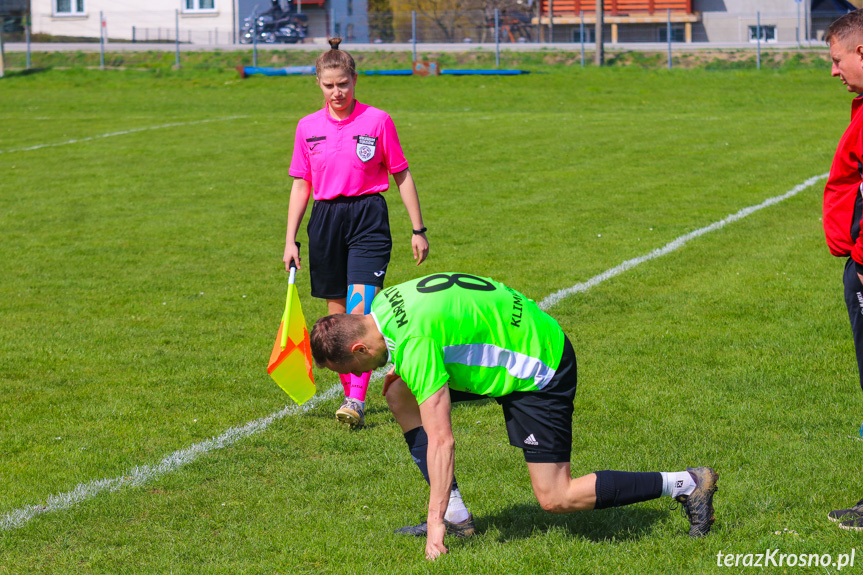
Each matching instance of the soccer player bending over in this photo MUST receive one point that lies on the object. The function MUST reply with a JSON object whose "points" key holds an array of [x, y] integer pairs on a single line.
{"points": [[458, 337]]}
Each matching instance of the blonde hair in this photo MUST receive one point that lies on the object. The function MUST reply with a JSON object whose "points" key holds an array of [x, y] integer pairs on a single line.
{"points": [[335, 59]]}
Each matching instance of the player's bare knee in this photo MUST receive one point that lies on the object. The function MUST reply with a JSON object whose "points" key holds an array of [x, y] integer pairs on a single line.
{"points": [[399, 396], [552, 502]]}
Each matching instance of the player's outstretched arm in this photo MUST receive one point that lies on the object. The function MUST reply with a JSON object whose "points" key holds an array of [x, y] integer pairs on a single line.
{"points": [[435, 412]]}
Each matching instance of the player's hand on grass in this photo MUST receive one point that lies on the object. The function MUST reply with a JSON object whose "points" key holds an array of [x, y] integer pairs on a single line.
{"points": [[420, 246], [292, 253], [434, 540]]}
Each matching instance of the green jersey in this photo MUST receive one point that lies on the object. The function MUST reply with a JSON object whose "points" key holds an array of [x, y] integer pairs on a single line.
{"points": [[473, 333]]}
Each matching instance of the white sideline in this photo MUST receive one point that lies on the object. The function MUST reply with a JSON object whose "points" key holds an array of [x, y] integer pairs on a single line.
{"points": [[120, 133], [673, 245], [141, 475]]}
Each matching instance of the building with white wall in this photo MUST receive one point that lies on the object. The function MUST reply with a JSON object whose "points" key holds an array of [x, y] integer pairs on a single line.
{"points": [[198, 21], [780, 20]]}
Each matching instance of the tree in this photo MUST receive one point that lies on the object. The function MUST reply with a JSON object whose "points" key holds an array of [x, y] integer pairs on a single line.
{"points": [[447, 15], [381, 20]]}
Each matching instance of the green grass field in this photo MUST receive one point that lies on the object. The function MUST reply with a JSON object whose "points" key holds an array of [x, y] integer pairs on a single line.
{"points": [[142, 285]]}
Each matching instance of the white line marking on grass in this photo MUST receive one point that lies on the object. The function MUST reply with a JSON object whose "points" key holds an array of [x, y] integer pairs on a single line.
{"points": [[141, 475], [120, 133], [147, 473], [557, 296]]}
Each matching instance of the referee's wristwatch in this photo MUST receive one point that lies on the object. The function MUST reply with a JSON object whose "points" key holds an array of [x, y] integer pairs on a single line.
{"points": [[422, 230]]}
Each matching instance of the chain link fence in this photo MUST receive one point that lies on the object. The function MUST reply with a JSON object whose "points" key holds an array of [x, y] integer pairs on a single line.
{"points": [[475, 22], [504, 28]]}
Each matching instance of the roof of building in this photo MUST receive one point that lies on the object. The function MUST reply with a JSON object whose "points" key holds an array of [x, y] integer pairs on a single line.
{"points": [[832, 6]]}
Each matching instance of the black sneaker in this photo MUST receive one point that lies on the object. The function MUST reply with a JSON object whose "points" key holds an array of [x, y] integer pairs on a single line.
{"points": [[855, 524], [464, 529], [698, 505], [853, 512]]}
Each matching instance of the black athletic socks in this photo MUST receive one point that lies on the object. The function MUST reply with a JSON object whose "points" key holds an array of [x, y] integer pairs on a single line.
{"points": [[617, 488]]}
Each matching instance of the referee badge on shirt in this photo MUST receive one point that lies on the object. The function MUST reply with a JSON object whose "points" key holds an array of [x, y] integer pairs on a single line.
{"points": [[366, 147]]}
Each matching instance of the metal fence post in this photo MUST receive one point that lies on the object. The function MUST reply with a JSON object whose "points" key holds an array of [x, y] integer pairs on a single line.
{"points": [[101, 41], [27, 39], [550, 21], [581, 36], [539, 22], [799, 43], [2, 51], [497, 38], [758, 38], [414, 33], [255, 36], [177, 39], [668, 33], [600, 46]]}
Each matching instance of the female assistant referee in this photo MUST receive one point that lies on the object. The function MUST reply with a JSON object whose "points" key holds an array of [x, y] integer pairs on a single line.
{"points": [[343, 156]]}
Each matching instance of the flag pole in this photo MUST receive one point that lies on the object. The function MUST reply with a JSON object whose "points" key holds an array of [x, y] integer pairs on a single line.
{"points": [[291, 278]]}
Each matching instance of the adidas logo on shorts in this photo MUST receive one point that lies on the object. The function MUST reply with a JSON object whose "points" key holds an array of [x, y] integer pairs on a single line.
{"points": [[531, 440]]}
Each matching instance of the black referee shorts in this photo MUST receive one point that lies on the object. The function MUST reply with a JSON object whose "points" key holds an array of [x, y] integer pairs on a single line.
{"points": [[540, 422], [349, 243]]}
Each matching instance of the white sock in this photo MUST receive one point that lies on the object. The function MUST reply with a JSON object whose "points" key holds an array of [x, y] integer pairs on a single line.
{"points": [[456, 512], [677, 483]]}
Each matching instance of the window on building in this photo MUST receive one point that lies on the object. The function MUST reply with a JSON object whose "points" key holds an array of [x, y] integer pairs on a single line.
{"points": [[768, 33], [678, 34], [199, 5], [69, 7]]}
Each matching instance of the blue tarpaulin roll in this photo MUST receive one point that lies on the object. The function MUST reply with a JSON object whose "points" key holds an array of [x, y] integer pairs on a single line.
{"points": [[388, 72], [484, 72], [246, 71], [288, 71]]}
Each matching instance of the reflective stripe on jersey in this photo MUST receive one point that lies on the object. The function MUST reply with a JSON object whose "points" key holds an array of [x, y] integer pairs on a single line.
{"points": [[517, 364]]}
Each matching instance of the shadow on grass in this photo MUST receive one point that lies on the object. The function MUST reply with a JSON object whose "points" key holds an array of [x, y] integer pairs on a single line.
{"points": [[27, 72], [621, 524]]}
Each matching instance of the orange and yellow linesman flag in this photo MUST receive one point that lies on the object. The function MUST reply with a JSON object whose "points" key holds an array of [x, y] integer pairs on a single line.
{"points": [[291, 361]]}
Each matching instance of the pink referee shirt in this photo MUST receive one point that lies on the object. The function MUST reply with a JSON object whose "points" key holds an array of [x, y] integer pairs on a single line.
{"points": [[351, 157]]}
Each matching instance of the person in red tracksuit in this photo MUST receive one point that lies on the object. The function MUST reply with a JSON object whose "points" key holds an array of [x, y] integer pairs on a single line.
{"points": [[843, 203]]}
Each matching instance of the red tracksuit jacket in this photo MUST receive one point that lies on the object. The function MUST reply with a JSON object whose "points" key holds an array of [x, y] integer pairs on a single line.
{"points": [[843, 203]]}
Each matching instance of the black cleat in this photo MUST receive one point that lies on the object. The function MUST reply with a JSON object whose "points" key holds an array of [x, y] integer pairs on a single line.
{"points": [[698, 505], [853, 512], [855, 524]]}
